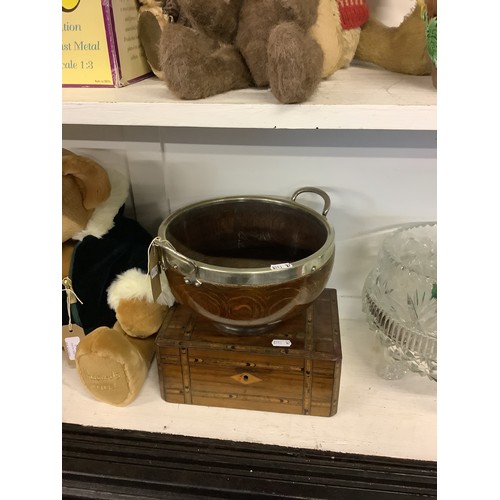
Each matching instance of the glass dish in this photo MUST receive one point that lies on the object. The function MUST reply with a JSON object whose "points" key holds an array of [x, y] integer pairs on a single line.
{"points": [[400, 301]]}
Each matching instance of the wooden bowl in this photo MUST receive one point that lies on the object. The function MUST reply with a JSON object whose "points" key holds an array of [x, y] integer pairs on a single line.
{"points": [[247, 263]]}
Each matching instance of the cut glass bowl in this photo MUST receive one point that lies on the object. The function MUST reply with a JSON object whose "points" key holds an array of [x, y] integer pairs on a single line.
{"points": [[400, 301]]}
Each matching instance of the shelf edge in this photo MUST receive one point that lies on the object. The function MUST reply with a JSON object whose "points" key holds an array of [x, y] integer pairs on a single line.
{"points": [[258, 116]]}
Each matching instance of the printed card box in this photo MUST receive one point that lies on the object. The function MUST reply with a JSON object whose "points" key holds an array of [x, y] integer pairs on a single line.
{"points": [[100, 44]]}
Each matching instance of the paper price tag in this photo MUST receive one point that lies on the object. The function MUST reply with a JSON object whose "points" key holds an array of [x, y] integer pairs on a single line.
{"points": [[71, 345], [154, 270], [71, 338], [281, 343]]}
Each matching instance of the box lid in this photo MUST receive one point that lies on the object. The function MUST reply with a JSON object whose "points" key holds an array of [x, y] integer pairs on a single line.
{"points": [[313, 334]]}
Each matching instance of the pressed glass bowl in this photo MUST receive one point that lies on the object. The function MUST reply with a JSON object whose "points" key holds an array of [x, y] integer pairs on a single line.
{"points": [[400, 301]]}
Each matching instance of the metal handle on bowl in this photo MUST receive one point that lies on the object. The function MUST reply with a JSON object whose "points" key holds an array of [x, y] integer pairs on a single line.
{"points": [[317, 191], [180, 262]]}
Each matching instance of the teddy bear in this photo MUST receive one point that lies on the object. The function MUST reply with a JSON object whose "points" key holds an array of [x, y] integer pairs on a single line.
{"points": [[107, 291], [209, 47], [401, 49], [203, 48]]}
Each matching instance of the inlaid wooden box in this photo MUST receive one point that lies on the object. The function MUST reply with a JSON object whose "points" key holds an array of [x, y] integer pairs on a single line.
{"points": [[294, 368]]}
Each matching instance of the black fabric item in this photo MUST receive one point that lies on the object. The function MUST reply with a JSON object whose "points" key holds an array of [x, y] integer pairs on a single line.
{"points": [[96, 262]]}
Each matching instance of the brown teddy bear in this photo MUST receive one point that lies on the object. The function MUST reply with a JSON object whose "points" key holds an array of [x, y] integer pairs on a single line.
{"points": [[212, 46], [107, 290], [202, 48]]}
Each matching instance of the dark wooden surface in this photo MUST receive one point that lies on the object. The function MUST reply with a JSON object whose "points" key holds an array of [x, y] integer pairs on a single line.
{"points": [[101, 463]]}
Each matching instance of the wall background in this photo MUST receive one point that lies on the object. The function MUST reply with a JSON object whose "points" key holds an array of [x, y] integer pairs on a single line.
{"points": [[377, 180]]}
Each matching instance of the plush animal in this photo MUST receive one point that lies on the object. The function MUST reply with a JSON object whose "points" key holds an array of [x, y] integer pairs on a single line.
{"points": [[202, 48], [106, 286], [153, 18], [207, 47], [402, 49], [429, 15]]}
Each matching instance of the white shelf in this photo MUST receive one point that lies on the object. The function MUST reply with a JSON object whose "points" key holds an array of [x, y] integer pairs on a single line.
{"points": [[358, 97], [375, 416]]}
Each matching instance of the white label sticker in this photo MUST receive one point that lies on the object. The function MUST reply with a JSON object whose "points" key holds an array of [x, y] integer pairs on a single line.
{"points": [[285, 265], [71, 344], [154, 271], [281, 343]]}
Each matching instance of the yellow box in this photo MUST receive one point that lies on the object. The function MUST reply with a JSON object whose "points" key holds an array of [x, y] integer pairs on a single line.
{"points": [[100, 44]]}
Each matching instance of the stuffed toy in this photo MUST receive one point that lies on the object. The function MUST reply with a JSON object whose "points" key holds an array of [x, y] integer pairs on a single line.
{"points": [[202, 48], [207, 47], [429, 15], [107, 292], [402, 49]]}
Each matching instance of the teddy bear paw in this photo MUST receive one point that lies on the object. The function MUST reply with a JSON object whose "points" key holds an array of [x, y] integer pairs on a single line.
{"points": [[295, 63], [111, 366]]}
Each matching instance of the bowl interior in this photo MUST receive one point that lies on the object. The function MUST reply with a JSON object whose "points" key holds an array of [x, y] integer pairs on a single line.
{"points": [[246, 233]]}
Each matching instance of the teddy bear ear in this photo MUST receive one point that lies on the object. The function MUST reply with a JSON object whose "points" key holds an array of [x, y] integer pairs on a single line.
{"points": [[91, 178]]}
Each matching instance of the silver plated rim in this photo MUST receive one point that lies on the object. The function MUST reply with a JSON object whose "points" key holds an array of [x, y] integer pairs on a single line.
{"points": [[197, 272]]}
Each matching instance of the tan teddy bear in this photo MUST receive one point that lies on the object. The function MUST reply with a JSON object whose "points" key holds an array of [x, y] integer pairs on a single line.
{"points": [[106, 287]]}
